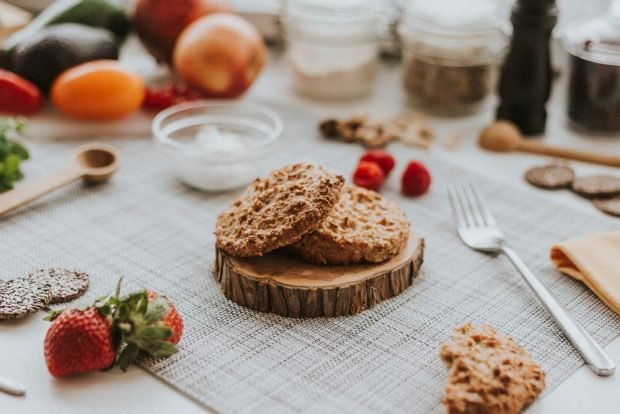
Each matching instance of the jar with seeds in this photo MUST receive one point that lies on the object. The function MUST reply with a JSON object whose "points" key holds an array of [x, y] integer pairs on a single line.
{"points": [[451, 52]]}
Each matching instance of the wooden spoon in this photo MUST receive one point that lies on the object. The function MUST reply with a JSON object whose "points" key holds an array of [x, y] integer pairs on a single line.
{"points": [[504, 136], [95, 163]]}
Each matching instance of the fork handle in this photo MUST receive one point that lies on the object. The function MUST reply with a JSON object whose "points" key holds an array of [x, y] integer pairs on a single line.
{"points": [[596, 358]]}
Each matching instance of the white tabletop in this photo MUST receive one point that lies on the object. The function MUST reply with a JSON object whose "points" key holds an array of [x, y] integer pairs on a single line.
{"points": [[21, 353]]}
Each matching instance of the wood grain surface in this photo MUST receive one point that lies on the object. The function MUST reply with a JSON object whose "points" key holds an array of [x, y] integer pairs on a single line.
{"points": [[283, 284]]}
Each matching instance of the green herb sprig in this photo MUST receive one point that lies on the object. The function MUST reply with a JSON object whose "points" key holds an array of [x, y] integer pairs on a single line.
{"points": [[12, 153]]}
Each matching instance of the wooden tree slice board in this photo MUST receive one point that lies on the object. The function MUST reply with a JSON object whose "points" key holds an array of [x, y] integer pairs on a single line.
{"points": [[286, 285]]}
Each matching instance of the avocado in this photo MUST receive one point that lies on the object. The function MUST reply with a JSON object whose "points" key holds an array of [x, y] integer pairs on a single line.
{"points": [[106, 14], [96, 13], [50, 51]]}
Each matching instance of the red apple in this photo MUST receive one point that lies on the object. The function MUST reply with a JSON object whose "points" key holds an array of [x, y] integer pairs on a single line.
{"points": [[159, 22], [220, 54]]}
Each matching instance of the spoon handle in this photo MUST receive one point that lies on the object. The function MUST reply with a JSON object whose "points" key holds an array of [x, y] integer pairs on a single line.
{"points": [[31, 190], [577, 155], [12, 387]]}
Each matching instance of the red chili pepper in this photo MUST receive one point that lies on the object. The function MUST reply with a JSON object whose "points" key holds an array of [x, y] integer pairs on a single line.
{"points": [[18, 95]]}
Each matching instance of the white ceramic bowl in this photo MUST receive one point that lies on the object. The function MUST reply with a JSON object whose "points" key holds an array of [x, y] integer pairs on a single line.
{"points": [[217, 145]]}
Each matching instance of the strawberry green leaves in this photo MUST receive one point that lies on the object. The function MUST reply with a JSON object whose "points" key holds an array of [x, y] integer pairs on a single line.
{"points": [[137, 324]]}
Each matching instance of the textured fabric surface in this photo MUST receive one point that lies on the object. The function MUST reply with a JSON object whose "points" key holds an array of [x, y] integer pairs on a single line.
{"points": [[157, 233]]}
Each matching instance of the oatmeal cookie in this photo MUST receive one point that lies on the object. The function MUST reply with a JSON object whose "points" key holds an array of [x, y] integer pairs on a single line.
{"points": [[278, 210], [363, 227], [489, 373]]}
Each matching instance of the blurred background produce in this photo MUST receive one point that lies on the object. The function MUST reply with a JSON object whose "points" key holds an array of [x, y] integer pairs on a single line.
{"points": [[159, 23], [98, 90], [214, 49], [47, 53], [220, 54]]}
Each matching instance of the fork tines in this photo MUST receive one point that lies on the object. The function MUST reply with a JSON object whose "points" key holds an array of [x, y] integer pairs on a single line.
{"points": [[468, 207]]}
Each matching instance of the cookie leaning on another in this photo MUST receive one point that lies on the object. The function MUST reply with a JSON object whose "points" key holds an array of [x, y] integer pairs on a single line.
{"points": [[278, 210], [362, 227], [489, 373]]}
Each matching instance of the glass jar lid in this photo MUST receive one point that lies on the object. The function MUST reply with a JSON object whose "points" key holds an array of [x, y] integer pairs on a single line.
{"points": [[454, 28], [453, 15], [329, 21], [598, 39]]}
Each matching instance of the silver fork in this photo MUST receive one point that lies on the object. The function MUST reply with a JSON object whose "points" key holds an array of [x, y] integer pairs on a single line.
{"points": [[478, 230]]}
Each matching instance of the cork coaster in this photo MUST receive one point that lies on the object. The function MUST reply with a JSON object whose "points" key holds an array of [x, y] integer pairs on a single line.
{"points": [[21, 297], [550, 176], [610, 206], [596, 186], [64, 284]]}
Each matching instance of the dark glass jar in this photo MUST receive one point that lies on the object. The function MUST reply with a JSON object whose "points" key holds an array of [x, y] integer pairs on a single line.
{"points": [[594, 78]]}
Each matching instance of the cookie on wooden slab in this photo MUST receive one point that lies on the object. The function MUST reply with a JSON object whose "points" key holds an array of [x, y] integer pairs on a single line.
{"points": [[21, 297], [278, 210], [550, 176], [64, 284], [362, 227], [489, 373], [596, 186], [610, 206]]}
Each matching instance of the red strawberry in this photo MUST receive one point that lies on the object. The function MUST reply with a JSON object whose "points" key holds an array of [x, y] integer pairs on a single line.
{"points": [[368, 175], [79, 341], [416, 179], [383, 158], [172, 320]]}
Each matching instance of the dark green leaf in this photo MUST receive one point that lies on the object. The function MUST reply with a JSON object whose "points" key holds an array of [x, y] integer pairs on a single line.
{"points": [[127, 355]]}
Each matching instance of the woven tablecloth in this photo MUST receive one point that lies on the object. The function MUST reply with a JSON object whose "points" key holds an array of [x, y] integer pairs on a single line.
{"points": [[157, 233]]}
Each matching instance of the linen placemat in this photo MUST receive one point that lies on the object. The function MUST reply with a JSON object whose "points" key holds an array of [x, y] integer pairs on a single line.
{"points": [[158, 234]]}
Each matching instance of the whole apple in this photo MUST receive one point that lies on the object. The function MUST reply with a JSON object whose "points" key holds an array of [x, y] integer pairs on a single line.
{"points": [[220, 54], [159, 22]]}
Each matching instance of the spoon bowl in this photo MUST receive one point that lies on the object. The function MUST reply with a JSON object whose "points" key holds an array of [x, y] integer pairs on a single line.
{"points": [[97, 161], [500, 136]]}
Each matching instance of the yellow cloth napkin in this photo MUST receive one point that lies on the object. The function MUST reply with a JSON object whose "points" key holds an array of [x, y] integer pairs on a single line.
{"points": [[595, 260]]}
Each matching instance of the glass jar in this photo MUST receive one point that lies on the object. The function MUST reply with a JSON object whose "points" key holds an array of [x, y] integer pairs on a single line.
{"points": [[594, 79], [451, 53], [332, 46]]}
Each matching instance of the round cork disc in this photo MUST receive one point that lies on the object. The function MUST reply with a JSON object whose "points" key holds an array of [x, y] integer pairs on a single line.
{"points": [[64, 284], [597, 186], [550, 176], [610, 206], [21, 297], [286, 285]]}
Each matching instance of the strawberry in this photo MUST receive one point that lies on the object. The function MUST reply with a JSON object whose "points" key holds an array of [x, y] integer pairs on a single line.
{"points": [[368, 175], [383, 158], [172, 320], [79, 341], [416, 179], [112, 331]]}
